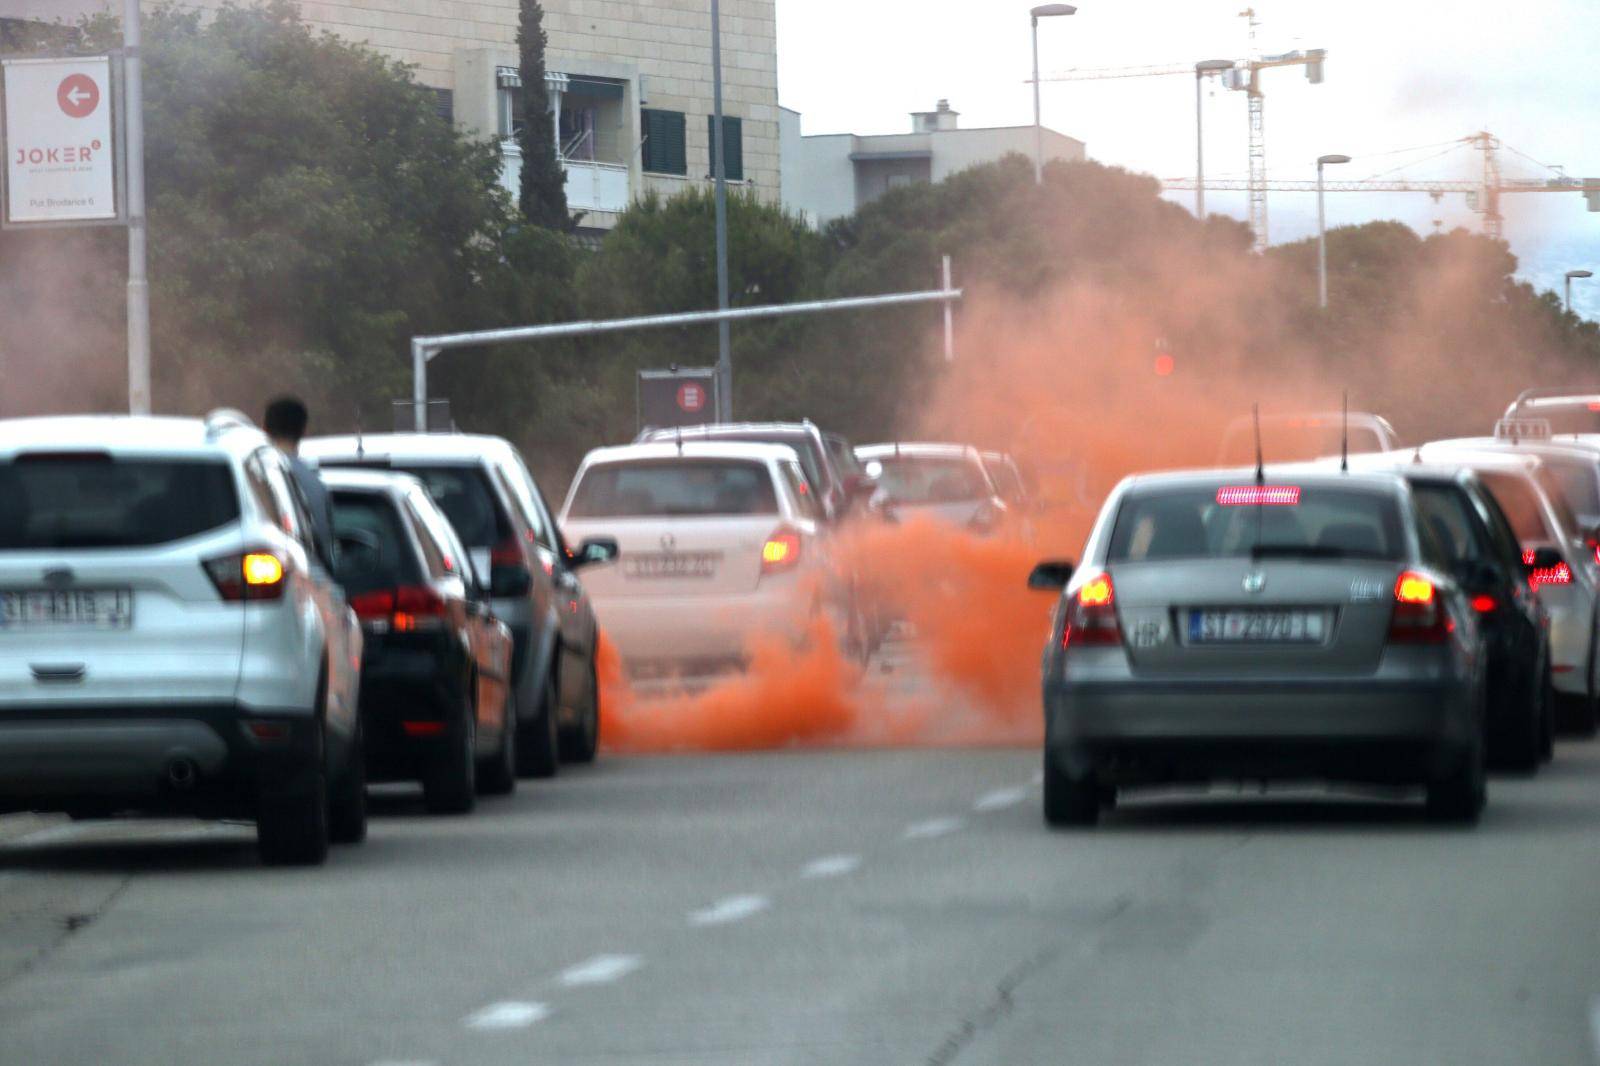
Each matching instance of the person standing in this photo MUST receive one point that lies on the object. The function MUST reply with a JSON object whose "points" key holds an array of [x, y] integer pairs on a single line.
{"points": [[285, 424]]}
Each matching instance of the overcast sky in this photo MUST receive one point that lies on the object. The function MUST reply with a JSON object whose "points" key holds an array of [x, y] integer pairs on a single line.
{"points": [[1401, 74]]}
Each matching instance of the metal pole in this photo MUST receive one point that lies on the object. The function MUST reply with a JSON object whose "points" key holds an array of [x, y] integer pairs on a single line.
{"points": [[138, 283], [1322, 246], [1567, 303], [1038, 127], [950, 318], [1199, 148], [720, 172], [419, 385]]}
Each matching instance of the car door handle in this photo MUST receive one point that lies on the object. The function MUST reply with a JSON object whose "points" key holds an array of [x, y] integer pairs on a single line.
{"points": [[46, 672]]}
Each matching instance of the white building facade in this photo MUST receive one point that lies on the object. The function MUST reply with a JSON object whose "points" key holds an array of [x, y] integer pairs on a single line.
{"points": [[831, 176], [630, 83]]}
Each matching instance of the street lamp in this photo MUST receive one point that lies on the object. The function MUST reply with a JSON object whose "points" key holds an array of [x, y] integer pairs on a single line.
{"points": [[1322, 230], [1201, 69], [1575, 274], [1041, 12]]}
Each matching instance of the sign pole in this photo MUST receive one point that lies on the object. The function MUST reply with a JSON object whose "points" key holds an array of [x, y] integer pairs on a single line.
{"points": [[138, 284]]}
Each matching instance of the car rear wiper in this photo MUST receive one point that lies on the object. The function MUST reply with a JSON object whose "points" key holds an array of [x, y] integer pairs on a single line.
{"points": [[1309, 551]]}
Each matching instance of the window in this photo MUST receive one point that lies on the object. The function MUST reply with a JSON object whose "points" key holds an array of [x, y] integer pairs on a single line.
{"points": [[93, 500], [804, 498], [921, 479], [732, 146], [371, 516], [674, 488], [664, 151], [1446, 513], [1189, 523]]}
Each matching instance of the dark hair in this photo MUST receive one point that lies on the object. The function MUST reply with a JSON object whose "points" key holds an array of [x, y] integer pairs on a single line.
{"points": [[286, 419]]}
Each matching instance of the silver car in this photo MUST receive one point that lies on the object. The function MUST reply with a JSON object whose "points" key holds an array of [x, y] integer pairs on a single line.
{"points": [[948, 482], [1223, 627]]}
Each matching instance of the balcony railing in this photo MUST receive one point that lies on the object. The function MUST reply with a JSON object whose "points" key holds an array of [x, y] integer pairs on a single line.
{"points": [[590, 186]]}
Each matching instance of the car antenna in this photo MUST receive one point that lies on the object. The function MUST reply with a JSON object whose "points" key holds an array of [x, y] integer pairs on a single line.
{"points": [[678, 432], [1344, 434], [1261, 473], [361, 446]]}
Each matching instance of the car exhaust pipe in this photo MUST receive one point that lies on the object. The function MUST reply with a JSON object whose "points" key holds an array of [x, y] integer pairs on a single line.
{"points": [[182, 774]]}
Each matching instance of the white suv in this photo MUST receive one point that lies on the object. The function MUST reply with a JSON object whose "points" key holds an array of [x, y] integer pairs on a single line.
{"points": [[170, 640]]}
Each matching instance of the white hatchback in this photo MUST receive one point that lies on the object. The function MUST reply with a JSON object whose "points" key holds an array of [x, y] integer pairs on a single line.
{"points": [[170, 639], [719, 542]]}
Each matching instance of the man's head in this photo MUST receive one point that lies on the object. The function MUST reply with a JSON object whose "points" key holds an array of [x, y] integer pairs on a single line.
{"points": [[286, 422]]}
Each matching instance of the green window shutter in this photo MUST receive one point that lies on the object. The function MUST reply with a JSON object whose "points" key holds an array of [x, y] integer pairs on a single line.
{"points": [[664, 149], [732, 146]]}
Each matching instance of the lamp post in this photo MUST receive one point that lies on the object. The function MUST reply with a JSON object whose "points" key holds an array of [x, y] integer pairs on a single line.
{"points": [[1041, 12], [1201, 69], [1322, 230], [719, 171], [1570, 275], [138, 280]]}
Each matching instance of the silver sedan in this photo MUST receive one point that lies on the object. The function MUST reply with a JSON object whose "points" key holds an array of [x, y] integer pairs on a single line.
{"points": [[1226, 627]]}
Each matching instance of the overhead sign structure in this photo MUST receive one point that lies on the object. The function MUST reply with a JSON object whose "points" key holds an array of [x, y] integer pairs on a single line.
{"points": [[61, 159], [680, 396]]}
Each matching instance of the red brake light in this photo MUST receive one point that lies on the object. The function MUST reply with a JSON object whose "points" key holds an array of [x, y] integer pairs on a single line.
{"points": [[1559, 574], [1419, 617], [1259, 495], [780, 552], [423, 729], [258, 574], [1485, 604], [507, 553], [406, 609], [1092, 615]]}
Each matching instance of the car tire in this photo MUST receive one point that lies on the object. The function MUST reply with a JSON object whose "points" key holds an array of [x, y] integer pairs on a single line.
{"points": [[582, 743], [539, 742], [450, 783], [347, 803], [1460, 796], [1069, 801], [292, 824], [498, 776]]}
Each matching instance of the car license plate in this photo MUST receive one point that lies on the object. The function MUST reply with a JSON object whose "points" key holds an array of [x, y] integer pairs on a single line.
{"points": [[694, 565], [67, 609], [1257, 627]]}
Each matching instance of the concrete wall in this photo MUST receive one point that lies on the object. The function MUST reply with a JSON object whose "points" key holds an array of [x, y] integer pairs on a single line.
{"points": [[818, 177], [959, 149]]}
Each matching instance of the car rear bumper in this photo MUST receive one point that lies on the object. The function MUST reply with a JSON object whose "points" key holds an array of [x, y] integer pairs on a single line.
{"points": [[659, 629], [197, 758], [409, 683], [1350, 730]]}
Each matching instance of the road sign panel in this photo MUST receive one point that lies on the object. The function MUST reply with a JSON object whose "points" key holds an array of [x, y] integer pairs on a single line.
{"points": [[60, 164]]}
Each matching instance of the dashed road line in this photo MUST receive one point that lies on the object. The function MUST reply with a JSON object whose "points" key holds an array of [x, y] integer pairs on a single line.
{"points": [[509, 1014], [600, 970], [1000, 799], [731, 909], [830, 866], [933, 827]]}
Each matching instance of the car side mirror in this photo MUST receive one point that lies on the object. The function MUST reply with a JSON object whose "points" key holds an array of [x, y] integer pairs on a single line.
{"points": [[1050, 576], [1543, 559], [594, 551]]}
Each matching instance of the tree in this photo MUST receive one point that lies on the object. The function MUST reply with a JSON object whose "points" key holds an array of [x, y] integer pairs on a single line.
{"points": [[543, 198]]}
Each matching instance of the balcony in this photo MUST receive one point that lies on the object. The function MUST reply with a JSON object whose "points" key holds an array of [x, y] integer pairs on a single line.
{"points": [[591, 186]]}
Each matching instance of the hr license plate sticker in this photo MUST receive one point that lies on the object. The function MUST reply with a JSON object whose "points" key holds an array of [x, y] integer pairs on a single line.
{"points": [[1256, 627], [66, 609], [693, 565]]}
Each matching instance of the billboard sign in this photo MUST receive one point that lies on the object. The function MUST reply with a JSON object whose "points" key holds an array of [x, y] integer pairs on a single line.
{"points": [[61, 162], [679, 396]]}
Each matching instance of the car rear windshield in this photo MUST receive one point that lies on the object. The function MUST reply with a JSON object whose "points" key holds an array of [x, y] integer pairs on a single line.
{"points": [[914, 479], [1575, 482], [386, 560], [674, 487], [1212, 522], [462, 492], [96, 500], [804, 444]]}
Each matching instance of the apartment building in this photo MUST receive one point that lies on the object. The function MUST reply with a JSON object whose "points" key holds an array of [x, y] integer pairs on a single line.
{"points": [[630, 83]]}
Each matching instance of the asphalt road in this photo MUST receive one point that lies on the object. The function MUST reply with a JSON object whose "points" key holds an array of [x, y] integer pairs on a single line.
{"points": [[820, 907]]}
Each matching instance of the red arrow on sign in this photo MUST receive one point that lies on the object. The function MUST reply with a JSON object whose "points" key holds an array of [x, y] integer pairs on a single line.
{"points": [[78, 95]]}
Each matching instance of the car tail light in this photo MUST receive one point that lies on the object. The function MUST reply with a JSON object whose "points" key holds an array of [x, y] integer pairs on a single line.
{"points": [[1092, 615], [780, 552], [1485, 604], [1259, 496], [258, 574], [405, 609], [1419, 617], [507, 553], [1559, 574], [423, 729]]}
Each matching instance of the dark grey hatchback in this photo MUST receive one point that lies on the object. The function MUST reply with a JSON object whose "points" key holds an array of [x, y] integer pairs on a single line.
{"points": [[1225, 627]]}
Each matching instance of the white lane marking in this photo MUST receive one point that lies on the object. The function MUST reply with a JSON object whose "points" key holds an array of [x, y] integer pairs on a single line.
{"points": [[1000, 799], [507, 1015], [933, 827], [732, 909], [830, 866], [1594, 1026], [600, 970], [404, 1062]]}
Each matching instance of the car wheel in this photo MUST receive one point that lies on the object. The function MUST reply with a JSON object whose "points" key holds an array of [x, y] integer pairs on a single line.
{"points": [[347, 804], [292, 824], [1069, 800], [1460, 796], [581, 743], [539, 745], [498, 776], [450, 785]]}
